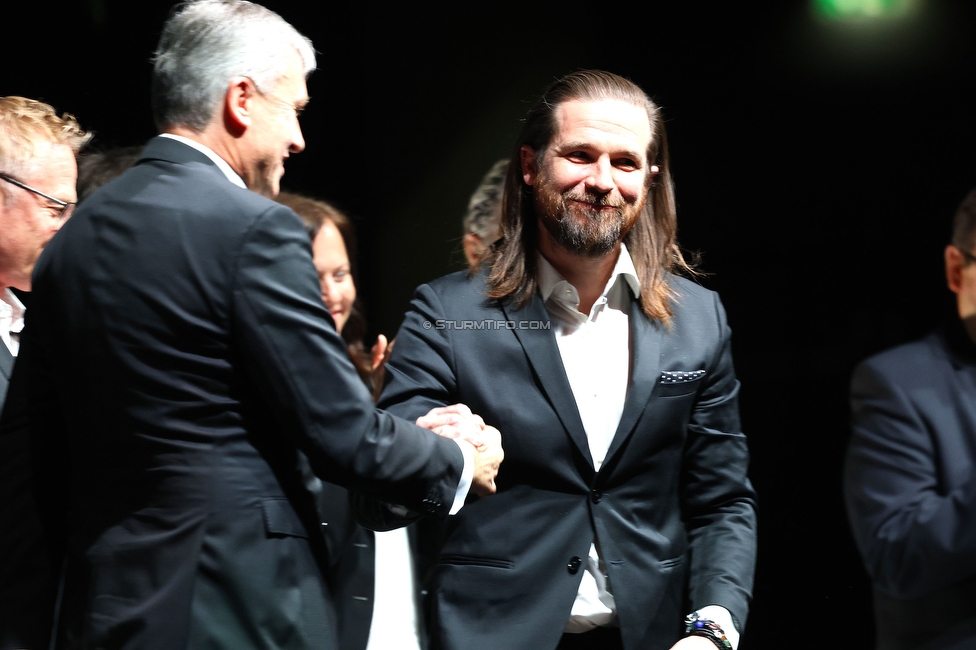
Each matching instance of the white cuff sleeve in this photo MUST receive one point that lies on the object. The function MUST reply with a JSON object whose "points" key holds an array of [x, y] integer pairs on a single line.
{"points": [[467, 474]]}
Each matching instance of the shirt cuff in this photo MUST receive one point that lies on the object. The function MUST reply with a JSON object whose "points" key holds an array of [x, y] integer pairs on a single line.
{"points": [[723, 618], [467, 474]]}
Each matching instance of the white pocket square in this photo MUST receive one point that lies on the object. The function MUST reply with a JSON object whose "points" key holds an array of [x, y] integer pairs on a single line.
{"points": [[681, 376]]}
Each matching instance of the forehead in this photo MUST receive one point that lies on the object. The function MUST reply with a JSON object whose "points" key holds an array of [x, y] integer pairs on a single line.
{"points": [[328, 242], [56, 171], [291, 85], [606, 122]]}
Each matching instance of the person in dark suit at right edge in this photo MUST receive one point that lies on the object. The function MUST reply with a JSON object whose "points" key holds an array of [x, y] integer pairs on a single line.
{"points": [[910, 471]]}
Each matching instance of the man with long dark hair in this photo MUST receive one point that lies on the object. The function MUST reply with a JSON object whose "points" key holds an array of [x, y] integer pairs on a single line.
{"points": [[624, 517]]}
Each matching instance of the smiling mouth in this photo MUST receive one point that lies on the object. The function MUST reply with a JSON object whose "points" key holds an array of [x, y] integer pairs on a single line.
{"points": [[598, 208], [595, 203]]}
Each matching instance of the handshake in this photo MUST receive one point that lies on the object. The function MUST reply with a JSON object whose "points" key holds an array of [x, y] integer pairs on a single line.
{"points": [[458, 422]]}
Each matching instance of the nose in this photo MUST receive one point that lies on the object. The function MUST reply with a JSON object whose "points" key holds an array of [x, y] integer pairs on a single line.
{"points": [[601, 177], [60, 221], [297, 140], [328, 289]]}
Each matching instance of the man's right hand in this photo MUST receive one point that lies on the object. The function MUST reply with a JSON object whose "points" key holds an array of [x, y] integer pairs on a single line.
{"points": [[457, 421], [487, 459]]}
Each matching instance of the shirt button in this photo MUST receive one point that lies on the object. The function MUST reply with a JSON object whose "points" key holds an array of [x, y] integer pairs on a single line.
{"points": [[596, 496], [574, 565]]}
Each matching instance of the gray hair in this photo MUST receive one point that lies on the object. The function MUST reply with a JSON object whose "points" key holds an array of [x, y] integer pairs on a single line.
{"points": [[205, 43], [484, 214]]}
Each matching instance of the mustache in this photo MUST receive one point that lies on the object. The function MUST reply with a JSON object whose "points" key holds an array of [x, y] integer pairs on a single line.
{"points": [[596, 200]]}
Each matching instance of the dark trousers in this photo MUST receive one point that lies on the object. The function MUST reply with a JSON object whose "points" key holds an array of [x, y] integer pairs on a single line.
{"points": [[600, 638]]}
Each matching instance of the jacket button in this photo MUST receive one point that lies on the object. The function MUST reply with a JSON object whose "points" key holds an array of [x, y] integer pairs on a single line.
{"points": [[574, 565], [596, 496]]}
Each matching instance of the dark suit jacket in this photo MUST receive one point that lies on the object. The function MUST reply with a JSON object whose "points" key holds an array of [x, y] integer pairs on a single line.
{"points": [[671, 509], [177, 353], [910, 489], [27, 577], [352, 565], [6, 368]]}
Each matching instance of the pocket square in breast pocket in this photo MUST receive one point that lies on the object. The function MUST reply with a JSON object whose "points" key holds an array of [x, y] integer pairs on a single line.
{"points": [[681, 376]]}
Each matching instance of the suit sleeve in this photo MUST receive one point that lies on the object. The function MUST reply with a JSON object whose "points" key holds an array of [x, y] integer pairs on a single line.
{"points": [[420, 374], [294, 356], [719, 502], [913, 534]]}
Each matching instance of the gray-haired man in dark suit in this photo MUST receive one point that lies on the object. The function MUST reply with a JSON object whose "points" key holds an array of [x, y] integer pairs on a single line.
{"points": [[177, 355]]}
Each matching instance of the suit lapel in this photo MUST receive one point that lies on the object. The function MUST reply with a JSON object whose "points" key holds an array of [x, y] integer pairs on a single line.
{"points": [[6, 362], [645, 341], [543, 353]]}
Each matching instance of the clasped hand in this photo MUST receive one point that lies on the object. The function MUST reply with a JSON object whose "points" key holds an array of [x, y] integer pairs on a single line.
{"points": [[458, 422]]}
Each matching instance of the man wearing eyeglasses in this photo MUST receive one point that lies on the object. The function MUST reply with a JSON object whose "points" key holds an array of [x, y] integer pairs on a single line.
{"points": [[910, 473], [37, 194]]}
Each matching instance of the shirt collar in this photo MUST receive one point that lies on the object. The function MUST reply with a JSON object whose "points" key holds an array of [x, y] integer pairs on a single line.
{"points": [[208, 152], [11, 321], [10, 304], [548, 277]]}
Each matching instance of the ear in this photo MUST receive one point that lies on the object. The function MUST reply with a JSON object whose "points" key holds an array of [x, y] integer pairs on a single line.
{"points": [[528, 159], [954, 263], [473, 248], [238, 104]]}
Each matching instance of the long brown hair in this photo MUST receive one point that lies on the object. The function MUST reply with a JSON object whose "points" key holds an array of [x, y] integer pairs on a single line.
{"points": [[314, 213], [652, 242]]}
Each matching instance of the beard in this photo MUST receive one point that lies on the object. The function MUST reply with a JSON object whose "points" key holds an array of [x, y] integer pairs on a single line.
{"points": [[584, 223]]}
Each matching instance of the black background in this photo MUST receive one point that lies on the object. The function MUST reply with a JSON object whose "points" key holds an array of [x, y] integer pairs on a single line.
{"points": [[817, 168]]}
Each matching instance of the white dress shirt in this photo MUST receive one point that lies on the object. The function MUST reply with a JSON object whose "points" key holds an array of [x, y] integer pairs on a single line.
{"points": [[394, 623], [11, 320], [595, 351]]}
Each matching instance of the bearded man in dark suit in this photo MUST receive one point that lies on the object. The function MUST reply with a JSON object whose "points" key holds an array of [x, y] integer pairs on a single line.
{"points": [[177, 355], [624, 504], [910, 471]]}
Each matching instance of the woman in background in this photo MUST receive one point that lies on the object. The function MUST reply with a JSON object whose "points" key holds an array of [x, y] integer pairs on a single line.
{"points": [[373, 575], [333, 250]]}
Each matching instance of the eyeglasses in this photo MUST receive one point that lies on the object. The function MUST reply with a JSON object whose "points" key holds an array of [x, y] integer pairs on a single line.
{"points": [[64, 208]]}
